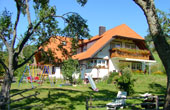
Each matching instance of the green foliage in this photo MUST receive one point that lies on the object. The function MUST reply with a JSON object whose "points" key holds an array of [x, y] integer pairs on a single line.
{"points": [[125, 82], [48, 27], [157, 68], [138, 72], [122, 65], [28, 51], [4, 58], [111, 77], [164, 20], [76, 27], [47, 57], [79, 81], [6, 24], [40, 4], [69, 67], [82, 2]]}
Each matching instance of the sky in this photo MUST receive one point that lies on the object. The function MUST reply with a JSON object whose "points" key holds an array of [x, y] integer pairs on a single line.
{"points": [[108, 13]]}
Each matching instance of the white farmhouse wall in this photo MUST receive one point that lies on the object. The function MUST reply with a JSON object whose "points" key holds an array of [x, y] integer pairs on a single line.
{"points": [[96, 73], [111, 66], [57, 74], [104, 53], [90, 44], [113, 63]]}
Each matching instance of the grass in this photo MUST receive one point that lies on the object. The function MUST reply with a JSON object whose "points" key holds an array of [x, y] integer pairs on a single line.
{"points": [[73, 98]]}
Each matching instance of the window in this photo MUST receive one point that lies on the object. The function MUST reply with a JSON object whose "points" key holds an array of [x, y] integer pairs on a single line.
{"points": [[116, 45], [130, 46], [103, 62], [136, 66], [97, 63], [127, 45]]}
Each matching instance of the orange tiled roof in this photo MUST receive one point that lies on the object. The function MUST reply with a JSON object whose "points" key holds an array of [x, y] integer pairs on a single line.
{"points": [[91, 39], [84, 41], [54, 45], [121, 31]]}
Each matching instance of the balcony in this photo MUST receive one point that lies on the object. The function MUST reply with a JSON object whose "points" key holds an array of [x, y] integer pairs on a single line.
{"points": [[130, 53]]}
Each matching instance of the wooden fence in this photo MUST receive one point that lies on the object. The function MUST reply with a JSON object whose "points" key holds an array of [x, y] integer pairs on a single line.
{"points": [[157, 103]]}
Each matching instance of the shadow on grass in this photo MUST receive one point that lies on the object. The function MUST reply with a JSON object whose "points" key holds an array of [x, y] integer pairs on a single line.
{"points": [[60, 98], [72, 99], [157, 88]]}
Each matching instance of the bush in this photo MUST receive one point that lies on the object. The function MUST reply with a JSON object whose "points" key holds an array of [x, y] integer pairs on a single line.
{"points": [[125, 82], [158, 72], [111, 77], [78, 81], [157, 69], [138, 72], [69, 67]]}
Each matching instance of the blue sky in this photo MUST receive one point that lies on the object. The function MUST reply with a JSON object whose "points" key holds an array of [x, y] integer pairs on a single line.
{"points": [[108, 13]]}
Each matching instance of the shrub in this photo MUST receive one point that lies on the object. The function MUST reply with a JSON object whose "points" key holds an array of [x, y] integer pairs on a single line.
{"points": [[111, 77], [157, 68], [122, 65], [158, 72], [138, 72], [125, 82], [78, 81], [69, 67]]}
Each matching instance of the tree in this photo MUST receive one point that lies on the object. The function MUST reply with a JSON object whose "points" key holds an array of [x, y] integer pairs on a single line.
{"points": [[42, 28], [159, 39], [69, 67], [125, 81], [164, 20]]}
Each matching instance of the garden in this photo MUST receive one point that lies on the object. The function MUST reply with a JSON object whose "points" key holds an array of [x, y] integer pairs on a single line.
{"points": [[66, 97]]}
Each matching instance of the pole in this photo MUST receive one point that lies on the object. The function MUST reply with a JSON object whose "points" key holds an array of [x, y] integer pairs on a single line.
{"points": [[157, 102], [87, 106]]}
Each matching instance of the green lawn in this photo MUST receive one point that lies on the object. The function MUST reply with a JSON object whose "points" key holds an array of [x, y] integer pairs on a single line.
{"points": [[73, 98]]}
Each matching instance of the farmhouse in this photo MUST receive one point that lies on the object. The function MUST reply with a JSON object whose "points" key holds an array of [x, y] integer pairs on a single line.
{"points": [[104, 52]]}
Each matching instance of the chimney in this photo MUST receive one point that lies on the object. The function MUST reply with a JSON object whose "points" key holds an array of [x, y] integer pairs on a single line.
{"points": [[102, 29]]}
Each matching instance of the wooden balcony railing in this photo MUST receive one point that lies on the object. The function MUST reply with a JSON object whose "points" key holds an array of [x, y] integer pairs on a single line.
{"points": [[130, 53]]}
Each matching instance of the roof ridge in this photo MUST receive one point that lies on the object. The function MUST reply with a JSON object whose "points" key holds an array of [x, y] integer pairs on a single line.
{"points": [[121, 30]]}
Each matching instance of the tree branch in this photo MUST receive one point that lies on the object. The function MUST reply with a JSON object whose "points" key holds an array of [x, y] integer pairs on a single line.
{"points": [[28, 13], [29, 32], [23, 63], [16, 23], [3, 64], [4, 41], [148, 8]]}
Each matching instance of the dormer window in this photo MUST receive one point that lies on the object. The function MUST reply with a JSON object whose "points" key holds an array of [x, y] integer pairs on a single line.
{"points": [[64, 43]]}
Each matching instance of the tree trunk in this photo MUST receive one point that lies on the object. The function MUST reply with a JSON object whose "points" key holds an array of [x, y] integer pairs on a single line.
{"points": [[5, 89], [167, 98], [158, 36]]}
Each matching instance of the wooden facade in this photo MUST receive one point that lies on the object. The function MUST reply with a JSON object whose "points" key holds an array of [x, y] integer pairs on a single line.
{"points": [[130, 53]]}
